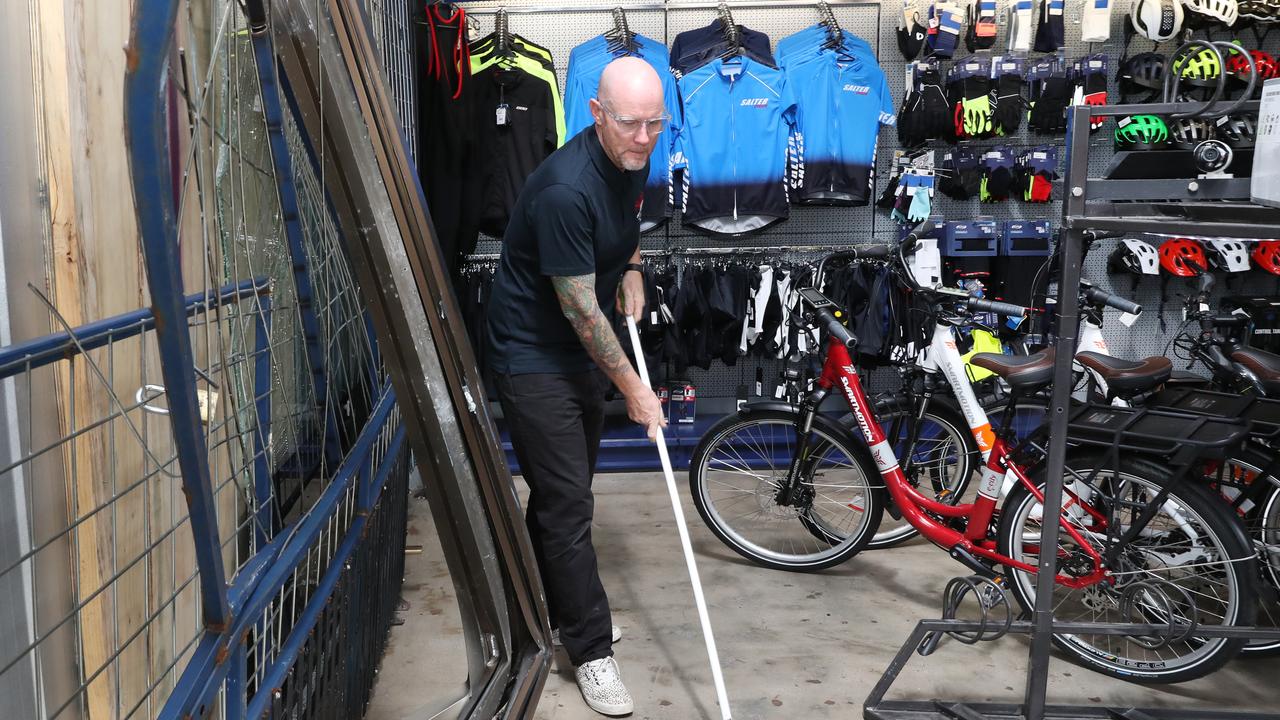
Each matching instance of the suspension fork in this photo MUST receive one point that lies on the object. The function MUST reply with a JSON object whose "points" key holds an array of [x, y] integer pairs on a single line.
{"points": [[800, 461], [913, 432]]}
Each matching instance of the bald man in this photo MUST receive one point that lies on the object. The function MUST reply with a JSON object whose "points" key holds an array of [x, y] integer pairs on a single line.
{"points": [[570, 266]]}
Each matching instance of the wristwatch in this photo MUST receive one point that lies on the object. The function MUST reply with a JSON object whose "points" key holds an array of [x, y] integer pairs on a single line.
{"points": [[634, 266]]}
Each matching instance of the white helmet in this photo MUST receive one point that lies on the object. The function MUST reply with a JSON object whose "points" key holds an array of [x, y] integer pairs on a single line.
{"points": [[1227, 255], [1223, 11], [1157, 20], [1134, 256]]}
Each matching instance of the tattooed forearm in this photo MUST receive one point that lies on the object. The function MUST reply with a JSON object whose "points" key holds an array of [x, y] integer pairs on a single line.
{"points": [[577, 297]]}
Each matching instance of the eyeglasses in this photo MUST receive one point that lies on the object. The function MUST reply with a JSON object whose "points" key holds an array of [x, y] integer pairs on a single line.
{"points": [[631, 125]]}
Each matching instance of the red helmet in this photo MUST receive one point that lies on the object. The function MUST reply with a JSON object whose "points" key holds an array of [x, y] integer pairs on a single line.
{"points": [[1264, 61], [1266, 255], [1182, 257]]}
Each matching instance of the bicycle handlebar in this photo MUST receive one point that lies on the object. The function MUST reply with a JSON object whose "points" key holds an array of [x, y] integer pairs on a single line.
{"points": [[1102, 297], [835, 328], [998, 307]]}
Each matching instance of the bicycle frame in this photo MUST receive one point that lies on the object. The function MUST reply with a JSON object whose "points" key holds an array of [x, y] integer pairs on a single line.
{"points": [[838, 372]]}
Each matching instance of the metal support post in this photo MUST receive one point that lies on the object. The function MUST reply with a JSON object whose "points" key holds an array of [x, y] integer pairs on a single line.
{"points": [[150, 43], [265, 527], [1069, 252], [236, 697]]}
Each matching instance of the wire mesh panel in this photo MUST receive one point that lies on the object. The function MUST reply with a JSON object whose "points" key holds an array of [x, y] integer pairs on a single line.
{"points": [[389, 22], [99, 578], [115, 576]]}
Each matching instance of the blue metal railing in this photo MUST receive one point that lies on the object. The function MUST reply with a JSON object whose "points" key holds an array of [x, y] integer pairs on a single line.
{"points": [[51, 348], [250, 643]]}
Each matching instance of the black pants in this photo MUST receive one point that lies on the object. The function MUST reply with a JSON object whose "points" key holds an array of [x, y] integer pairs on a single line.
{"points": [[555, 423]]}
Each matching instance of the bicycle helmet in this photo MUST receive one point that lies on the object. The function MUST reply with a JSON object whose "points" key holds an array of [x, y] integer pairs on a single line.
{"points": [[1266, 255], [1134, 256], [1141, 73], [1264, 61], [1238, 131], [1141, 132], [1201, 13], [1181, 257], [1157, 20], [1201, 67], [1227, 255], [1189, 132], [1254, 9]]}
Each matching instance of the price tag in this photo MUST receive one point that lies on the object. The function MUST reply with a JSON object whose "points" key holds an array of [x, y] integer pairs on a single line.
{"points": [[1128, 319], [500, 115]]}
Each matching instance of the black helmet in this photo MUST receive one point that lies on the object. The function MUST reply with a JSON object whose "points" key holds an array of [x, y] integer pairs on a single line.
{"points": [[1238, 131], [1142, 74], [1187, 133]]}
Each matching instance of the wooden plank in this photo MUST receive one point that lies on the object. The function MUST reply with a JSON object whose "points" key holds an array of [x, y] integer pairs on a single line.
{"points": [[95, 271], [60, 67]]}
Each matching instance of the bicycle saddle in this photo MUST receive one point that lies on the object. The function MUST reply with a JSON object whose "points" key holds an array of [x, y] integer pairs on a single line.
{"points": [[1128, 376], [1024, 373], [1264, 365]]}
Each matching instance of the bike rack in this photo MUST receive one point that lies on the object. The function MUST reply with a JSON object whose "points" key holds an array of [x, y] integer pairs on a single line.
{"points": [[1093, 207]]}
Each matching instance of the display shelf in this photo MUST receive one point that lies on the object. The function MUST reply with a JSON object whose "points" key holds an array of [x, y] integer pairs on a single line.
{"points": [[1081, 220]]}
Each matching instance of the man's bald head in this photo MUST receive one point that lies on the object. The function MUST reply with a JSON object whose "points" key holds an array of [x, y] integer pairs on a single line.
{"points": [[631, 81], [631, 90]]}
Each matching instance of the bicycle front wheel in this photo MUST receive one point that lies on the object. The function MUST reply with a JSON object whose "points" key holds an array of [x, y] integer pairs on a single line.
{"points": [[1190, 563], [737, 475]]}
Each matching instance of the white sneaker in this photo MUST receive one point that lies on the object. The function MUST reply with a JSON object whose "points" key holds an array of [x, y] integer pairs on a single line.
{"points": [[602, 688], [555, 635]]}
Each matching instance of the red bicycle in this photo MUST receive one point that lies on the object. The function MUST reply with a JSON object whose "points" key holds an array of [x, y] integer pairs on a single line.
{"points": [[791, 488]]}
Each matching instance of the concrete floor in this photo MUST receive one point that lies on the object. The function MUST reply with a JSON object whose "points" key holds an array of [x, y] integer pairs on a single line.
{"points": [[793, 646]]}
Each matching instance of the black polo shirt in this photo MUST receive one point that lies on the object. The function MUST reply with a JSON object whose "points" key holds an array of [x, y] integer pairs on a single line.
{"points": [[577, 214]]}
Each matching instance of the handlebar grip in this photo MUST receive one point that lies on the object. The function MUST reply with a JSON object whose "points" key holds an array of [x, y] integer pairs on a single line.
{"points": [[1102, 234], [1124, 305], [873, 252], [997, 307], [836, 329], [924, 229]]}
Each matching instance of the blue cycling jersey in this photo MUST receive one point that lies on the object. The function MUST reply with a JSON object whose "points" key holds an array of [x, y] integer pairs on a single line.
{"points": [[738, 116], [843, 99], [808, 42], [582, 80]]}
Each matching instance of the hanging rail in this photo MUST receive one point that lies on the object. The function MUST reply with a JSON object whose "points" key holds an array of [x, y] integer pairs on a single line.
{"points": [[473, 8], [713, 251]]}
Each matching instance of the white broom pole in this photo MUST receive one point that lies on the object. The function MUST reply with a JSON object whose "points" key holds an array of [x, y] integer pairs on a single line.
{"points": [[716, 675]]}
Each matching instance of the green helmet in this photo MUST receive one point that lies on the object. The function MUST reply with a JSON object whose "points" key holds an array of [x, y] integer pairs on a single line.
{"points": [[1141, 132], [1199, 67]]}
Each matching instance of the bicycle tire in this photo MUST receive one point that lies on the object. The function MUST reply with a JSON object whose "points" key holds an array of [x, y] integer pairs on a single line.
{"points": [[797, 529], [1223, 552], [942, 424], [1262, 523]]}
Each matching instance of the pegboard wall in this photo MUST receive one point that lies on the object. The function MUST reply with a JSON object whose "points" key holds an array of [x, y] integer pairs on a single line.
{"points": [[561, 27]]}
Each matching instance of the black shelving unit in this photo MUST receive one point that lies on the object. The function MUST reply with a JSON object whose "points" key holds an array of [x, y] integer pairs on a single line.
{"points": [[1095, 207]]}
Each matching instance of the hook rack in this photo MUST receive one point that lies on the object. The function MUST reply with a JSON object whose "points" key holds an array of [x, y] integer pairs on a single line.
{"points": [[502, 32], [835, 34], [621, 37], [730, 29]]}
